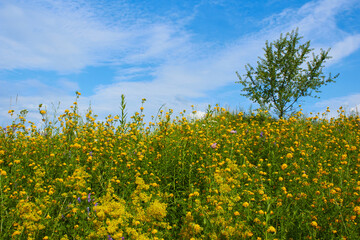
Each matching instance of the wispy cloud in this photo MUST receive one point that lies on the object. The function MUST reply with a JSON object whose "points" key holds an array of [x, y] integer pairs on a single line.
{"points": [[346, 47], [66, 38], [36, 37], [317, 21], [156, 58], [349, 103], [34, 92]]}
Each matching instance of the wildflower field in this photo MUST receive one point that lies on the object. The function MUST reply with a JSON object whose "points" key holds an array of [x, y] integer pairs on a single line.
{"points": [[226, 176]]}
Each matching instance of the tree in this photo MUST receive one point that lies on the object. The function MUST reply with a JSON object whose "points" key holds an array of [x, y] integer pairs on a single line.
{"points": [[281, 77]]}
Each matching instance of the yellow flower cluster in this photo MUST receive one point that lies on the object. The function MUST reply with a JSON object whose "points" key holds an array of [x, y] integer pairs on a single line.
{"points": [[226, 176]]}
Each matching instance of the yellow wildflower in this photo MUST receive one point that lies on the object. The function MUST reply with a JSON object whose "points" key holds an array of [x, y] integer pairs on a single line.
{"points": [[271, 229], [157, 210], [314, 224]]}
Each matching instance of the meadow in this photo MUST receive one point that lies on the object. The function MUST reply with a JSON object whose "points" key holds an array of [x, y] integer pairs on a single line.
{"points": [[225, 176]]}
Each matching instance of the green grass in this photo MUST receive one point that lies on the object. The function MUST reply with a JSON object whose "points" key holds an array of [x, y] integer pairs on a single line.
{"points": [[263, 179]]}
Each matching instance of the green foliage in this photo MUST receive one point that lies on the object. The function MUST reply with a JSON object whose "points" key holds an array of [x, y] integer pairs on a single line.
{"points": [[226, 176], [283, 76]]}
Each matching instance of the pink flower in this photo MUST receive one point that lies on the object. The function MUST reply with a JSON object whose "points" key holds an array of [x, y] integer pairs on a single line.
{"points": [[233, 131], [213, 145]]}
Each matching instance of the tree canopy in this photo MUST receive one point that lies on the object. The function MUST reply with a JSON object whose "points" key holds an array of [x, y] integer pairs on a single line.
{"points": [[283, 75]]}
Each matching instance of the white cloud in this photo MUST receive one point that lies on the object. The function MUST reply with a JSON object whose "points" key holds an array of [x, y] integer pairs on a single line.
{"points": [[29, 93], [355, 110], [65, 37], [34, 37], [346, 47], [317, 21], [197, 115], [349, 104]]}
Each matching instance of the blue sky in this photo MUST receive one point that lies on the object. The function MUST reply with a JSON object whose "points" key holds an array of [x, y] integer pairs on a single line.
{"points": [[177, 53]]}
